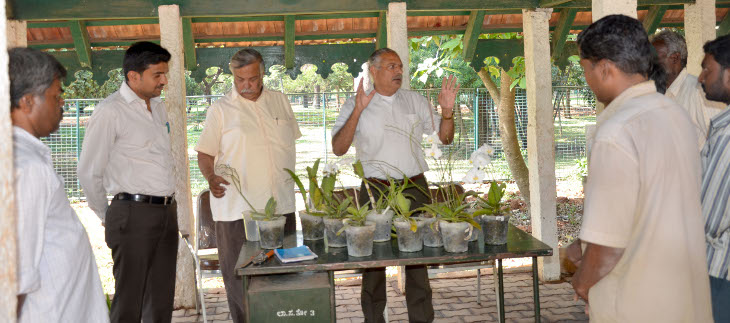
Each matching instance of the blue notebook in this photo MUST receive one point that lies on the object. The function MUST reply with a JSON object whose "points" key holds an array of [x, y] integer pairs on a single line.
{"points": [[300, 253]]}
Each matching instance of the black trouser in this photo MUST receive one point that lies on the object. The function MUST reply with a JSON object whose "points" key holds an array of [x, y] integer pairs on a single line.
{"points": [[143, 238], [418, 288], [230, 236]]}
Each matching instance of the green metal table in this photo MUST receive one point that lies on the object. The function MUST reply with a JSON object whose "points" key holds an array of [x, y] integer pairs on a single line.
{"points": [[519, 244]]}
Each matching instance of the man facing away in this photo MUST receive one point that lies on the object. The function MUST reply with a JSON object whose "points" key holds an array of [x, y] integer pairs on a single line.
{"points": [[642, 259], [57, 276], [386, 126], [253, 130], [682, 86], [126, 153], [715, 79]]}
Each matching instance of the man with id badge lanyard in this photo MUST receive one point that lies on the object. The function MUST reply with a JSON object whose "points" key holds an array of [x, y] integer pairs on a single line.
{"points": [[253, 130], [126, 153]]}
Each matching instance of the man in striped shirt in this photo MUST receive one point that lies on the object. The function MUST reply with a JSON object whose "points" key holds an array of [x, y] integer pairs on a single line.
{"points": [[715, 80]]}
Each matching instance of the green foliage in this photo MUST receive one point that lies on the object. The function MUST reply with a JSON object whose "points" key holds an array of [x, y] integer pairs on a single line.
{"points": [[433, 56], [493, 204], [268, 214], [445, 211], [83, 87], [113, 83], [321, 196], [357, 216]]}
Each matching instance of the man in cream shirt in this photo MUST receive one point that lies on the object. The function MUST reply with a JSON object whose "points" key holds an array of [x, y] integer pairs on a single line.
{"points": [[642, 229], [126, 153], [252, 130], [682, 86]]}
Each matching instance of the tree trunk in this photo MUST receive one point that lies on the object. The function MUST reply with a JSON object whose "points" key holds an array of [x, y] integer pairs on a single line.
{"points": [[317, 97], [508, 131]]}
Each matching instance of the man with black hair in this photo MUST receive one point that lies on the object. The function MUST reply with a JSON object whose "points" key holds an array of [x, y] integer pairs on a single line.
{"points": [[57, 276], [126, 153], [640, 250], [682, 86], [715, 79]]}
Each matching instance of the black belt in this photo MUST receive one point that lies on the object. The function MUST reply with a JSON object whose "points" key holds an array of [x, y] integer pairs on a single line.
{"points": [[399, 181], [151, 199]]}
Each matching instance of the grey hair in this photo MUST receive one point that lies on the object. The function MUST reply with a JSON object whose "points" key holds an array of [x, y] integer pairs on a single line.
{"points": [[674, 43], [374, 58], [245, 57], [31, 72]]}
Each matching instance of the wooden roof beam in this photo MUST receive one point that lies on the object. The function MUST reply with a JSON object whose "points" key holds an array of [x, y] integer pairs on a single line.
{"points": [[381, 37], [552, 3], [560, 34], [81, 42], [653, 18], [471, 34], [289, 31], [724, 27], [189, 44]]}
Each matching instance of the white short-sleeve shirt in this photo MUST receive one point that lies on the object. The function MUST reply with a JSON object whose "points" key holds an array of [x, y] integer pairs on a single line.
{"points": [[389, 133]]}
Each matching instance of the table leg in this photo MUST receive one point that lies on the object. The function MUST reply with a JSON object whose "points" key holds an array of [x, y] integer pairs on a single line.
{"points": [[535, 289], [246, 311], [501, 290]]}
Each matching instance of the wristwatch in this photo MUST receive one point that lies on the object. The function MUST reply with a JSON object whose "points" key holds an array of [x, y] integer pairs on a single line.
{"points": [[449, 118]]}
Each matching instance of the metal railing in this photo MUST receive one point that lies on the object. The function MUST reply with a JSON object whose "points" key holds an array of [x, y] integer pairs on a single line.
{"points": [[477, 123]]}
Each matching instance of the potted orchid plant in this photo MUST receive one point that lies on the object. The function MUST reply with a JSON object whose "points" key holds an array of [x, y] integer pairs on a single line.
{"points": [[494, 215], [265, 226]]}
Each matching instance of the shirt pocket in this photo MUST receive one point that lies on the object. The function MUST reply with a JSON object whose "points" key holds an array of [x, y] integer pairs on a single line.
{"points": [[412, 126], [284, 132]]}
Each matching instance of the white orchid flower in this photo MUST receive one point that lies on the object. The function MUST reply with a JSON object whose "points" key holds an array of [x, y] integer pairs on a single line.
{"points": [[433, 151], [346, 161], [479, 160], [486, 149], [330, 169], [474, 175], [433, 138]]}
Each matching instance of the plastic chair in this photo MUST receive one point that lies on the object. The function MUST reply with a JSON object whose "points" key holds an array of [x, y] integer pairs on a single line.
{"points": [[204, 249]]}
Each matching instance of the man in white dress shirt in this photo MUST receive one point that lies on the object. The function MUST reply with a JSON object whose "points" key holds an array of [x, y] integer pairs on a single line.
{"points": [[387, 126], [682, 86], [57, 276], [126, 153], [253, 130]]}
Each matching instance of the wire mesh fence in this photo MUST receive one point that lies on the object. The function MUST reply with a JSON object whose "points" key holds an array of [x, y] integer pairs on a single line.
{"points": [[476, 123]]}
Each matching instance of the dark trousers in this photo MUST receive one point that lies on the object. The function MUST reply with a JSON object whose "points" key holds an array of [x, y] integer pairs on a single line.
{"points": [[720, 292], [230, 236], [418, 288], [144, 241]]}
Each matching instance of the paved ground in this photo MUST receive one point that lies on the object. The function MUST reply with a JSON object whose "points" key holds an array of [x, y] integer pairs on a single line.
{"points": [[454, 300]]}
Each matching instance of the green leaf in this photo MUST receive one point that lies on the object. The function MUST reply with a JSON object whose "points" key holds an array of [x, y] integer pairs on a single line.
{"points": [[357, 167], [515, 82], [451, 44], [523, 82], [300, 186]]}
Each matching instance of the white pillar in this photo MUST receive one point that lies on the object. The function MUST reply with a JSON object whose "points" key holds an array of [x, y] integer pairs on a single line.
{"points": [[699, 28], [171, 37], [398, 37], [541, 137], [8, 226], [17, 31], [602, 8]]}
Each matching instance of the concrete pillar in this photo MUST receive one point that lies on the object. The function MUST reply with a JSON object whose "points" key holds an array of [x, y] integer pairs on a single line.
{"points": [[8, 226], [398, 37], [171, 37], [17, 31], [699, 28], [540, 137], [602, 8]]}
